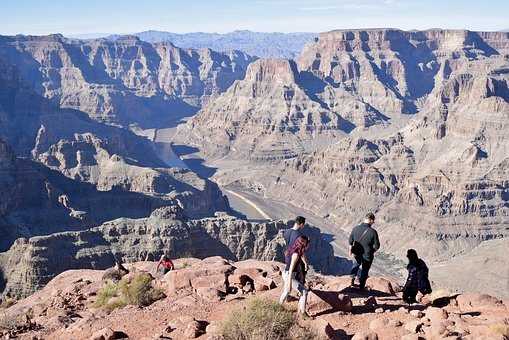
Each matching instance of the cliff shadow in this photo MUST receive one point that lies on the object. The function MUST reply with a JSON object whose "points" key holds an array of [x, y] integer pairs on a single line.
{"points": [[194, 163], [480, 44]]}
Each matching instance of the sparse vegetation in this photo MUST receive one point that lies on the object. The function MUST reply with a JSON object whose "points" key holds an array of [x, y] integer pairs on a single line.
{"points": [[7, 302], [9, 322], [137, 291], [500, 329], [264, 320], [184, 265]]}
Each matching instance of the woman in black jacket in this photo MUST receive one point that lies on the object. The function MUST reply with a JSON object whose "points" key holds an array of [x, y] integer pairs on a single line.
{"points": [[417, 280]]}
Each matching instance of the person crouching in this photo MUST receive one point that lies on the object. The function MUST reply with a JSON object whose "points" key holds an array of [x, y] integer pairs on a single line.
{"points": [[417, 280]]}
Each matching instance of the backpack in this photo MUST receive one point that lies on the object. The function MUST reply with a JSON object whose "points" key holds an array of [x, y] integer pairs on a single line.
{"points": [[357, 248]]}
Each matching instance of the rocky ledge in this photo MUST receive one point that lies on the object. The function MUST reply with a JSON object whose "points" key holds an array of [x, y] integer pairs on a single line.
{"points": [[200, 294], [31, 263]]}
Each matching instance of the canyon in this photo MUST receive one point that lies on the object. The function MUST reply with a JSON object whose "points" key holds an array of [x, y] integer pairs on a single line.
{"points": [[123, 147]]}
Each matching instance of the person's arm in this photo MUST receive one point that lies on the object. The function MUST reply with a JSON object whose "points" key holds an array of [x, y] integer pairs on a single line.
{"points": [[293, 263], [172, 265], [376, 242], [350, 242], [305, 260], [411, 277], [158, 264], [350, 239]]}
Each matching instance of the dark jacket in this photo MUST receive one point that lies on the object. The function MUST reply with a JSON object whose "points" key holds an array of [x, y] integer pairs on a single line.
{"points": [[418, 278], [290, 235], [369, 241]]}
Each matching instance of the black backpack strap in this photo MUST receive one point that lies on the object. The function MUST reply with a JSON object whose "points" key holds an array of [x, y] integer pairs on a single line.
{"points": [[362, 236]]}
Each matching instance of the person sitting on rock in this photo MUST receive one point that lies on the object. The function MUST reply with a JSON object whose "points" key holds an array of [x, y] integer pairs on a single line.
{"points": [[417, 280], [166, 263], [295, 272]]}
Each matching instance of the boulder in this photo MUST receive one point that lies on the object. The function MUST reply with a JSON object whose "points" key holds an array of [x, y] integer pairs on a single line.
{"points": [[219, 282], [413, 326], [377, 324], [394, 323], [438, 298], [195, 328], [181, 279], [436, 315], [320, 301], [412, 337], [441, 329], [210, 294], [103, 334], [416, 313], [322, 328], [403, 310], [213, 328], [380, 284], [474, 301], [239, 279], [263, 283], [108, 334], [365, 335]]}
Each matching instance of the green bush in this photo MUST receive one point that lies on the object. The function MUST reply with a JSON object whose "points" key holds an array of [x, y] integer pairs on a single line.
{"points": [[139, 292], [264, 320]]}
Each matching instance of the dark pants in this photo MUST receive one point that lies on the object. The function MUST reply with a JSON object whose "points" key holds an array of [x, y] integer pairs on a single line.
{"points": [[365, 264], [409, 295]]}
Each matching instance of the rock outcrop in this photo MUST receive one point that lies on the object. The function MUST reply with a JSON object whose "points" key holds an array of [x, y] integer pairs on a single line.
{"points": [[66, 307], [31, 263]]}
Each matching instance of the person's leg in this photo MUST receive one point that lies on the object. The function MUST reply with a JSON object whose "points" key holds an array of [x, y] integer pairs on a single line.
{"points": [[366, 265], [285, 292], [409, 295], [303, 295], [355, 267]]}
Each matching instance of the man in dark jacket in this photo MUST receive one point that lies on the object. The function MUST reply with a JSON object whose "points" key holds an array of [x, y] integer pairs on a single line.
{"points": [[364, 243]]}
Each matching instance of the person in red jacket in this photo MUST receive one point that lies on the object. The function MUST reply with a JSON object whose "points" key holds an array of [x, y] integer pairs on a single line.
{"points": [[166, 263]]}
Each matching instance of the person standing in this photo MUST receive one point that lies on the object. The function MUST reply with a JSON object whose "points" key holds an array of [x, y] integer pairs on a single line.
{"points": [[292, 234], [295, 273], [364, 243]]}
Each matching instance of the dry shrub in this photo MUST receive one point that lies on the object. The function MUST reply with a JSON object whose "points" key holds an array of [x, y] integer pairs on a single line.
{"points": [[7, 302], [264, 320], [138, 291], [9, 322], [500, 329]]}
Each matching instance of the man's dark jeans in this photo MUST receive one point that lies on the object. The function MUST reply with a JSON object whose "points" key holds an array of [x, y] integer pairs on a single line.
{"points": [[365, 264]]}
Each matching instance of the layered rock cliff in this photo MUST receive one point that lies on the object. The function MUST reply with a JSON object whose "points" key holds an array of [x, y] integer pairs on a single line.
{"points": [[111, 172], [426, 149], [31, 263], [124, 81]]}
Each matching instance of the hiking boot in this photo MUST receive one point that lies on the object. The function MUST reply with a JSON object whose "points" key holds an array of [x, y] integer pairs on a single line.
{"points": [[352, 282]]}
